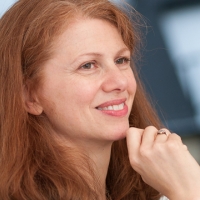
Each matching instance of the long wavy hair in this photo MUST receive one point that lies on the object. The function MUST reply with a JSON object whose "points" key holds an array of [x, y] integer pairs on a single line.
{"points": [[33, 164]]}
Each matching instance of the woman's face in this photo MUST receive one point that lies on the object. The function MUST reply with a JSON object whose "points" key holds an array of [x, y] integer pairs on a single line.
{"points": [[88, 86]]}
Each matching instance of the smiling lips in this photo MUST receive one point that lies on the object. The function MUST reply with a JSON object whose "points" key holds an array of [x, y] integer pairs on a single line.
{"points": [[113, 107], [116, 108]]}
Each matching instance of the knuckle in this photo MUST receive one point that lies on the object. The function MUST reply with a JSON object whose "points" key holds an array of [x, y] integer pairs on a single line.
{"points": [[145, 153], [172, 145], [158, 147], [185, 147], [177, 137], [150, 128]]}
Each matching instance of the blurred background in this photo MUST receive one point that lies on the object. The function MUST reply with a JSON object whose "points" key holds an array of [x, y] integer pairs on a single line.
{"points": [[170, 63]]}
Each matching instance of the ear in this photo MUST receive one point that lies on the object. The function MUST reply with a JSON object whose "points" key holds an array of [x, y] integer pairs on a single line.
{"points": [[32, 104]]}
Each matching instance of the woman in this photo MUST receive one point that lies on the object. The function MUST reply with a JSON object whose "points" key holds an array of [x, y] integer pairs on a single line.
{"points": [[68, 97]]}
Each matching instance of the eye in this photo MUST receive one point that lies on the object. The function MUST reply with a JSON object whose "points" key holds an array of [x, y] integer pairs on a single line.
{"points": [[122, 60], [89, 65]]}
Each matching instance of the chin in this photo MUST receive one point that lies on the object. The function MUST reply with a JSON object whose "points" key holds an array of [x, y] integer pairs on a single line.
{"points": [[119, 133]]}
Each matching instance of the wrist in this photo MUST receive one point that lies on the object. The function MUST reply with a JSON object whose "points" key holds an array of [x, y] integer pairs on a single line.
{"points": [[186, 197]]}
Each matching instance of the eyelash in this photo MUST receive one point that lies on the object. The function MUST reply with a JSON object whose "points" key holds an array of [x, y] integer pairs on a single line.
{"points": [[123, 59], [85, 65]]}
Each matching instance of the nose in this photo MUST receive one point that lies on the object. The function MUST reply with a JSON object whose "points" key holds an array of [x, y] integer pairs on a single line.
{"points": [[115, 79]]}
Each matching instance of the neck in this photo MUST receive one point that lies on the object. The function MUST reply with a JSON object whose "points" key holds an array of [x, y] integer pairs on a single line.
{"points": [[100, 156], [99, 153]]}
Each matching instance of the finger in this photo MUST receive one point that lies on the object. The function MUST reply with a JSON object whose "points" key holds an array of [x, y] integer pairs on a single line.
{"points": [[185, 147], [148, 137], [162, 135], [134, 138], [175, 141], [175, 137]]}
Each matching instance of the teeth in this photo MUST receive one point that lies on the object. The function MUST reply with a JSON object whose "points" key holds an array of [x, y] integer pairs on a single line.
{"points": [[114, 107], [121, 106], [110, 107]]}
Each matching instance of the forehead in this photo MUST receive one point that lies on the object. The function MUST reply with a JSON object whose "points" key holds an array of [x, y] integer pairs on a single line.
{"points": [[85, 33]]}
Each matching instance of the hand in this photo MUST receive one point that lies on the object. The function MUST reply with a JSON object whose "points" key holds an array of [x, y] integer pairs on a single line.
{"points": [[164, 162]]}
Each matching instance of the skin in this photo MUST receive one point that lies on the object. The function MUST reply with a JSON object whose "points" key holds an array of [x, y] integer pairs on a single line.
{"points": [[164, 163], [88, 72]]}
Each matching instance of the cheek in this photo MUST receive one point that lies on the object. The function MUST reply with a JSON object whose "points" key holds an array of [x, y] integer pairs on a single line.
{"points": [[132, 85], [80, 93]]}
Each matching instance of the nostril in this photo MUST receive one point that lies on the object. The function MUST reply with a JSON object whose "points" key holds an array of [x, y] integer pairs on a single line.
{"points": [[115, 80]]}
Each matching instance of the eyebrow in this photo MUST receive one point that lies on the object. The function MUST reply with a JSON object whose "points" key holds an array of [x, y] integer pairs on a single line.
{"points": [[99, 55], [123, 50]]}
